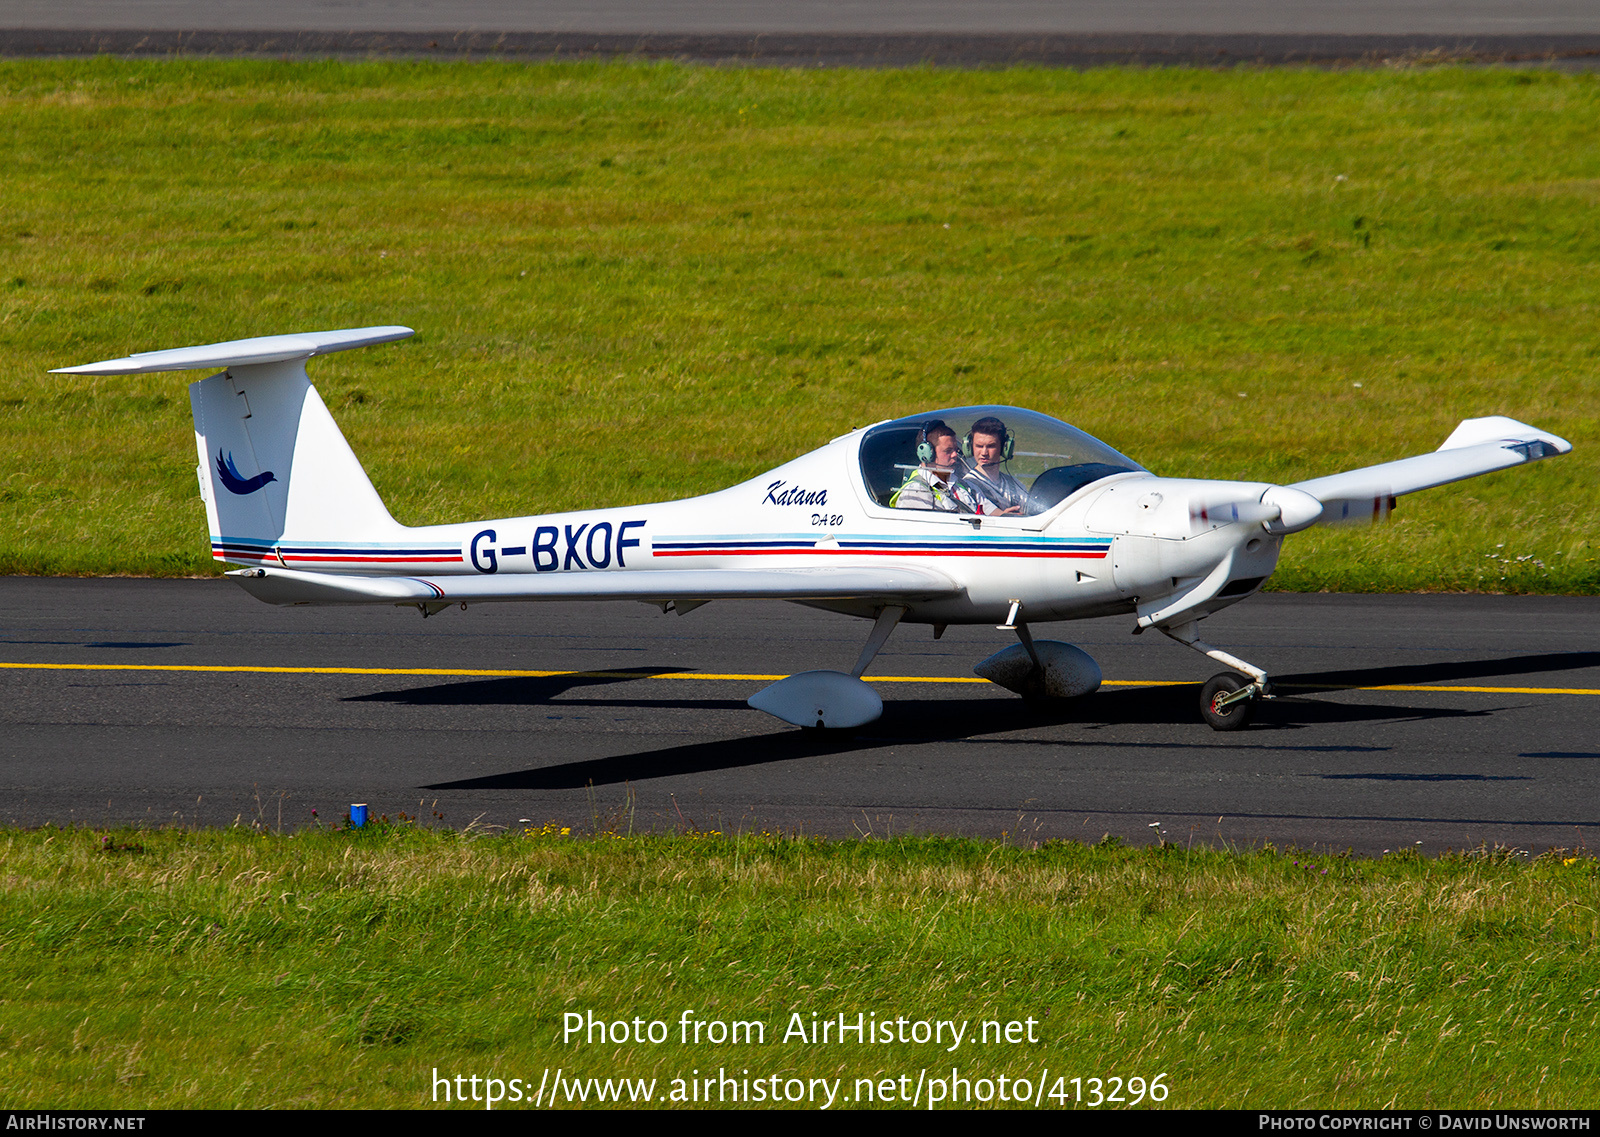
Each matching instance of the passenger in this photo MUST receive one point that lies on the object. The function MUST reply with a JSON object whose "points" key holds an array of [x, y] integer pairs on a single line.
{"points": [[928, 486], [984, 487]]}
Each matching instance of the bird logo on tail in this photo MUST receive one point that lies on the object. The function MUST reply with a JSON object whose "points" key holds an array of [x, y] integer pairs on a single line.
{"points": [[236, 482]]}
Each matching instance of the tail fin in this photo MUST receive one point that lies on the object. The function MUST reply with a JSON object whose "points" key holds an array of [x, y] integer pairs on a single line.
{"points": [[274, 467]]}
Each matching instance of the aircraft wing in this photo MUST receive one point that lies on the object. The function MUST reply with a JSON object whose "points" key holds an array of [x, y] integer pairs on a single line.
{"points": [[293, 586], [1477, 446]]}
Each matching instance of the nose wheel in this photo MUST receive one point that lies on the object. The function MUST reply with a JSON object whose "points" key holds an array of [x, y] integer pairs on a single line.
{"points": [[1228, 701]]}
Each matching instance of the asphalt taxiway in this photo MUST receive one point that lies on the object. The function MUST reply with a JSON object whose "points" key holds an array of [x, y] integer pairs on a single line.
{"points": [[1467, 17], [1424, 721], [813, 33]]}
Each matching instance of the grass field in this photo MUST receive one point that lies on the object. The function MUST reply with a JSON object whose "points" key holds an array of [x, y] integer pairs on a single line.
{"points": [[640, 282], [147, 969]]}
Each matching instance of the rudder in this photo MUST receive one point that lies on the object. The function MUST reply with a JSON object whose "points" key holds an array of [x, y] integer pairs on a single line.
{"points": [[275, 468]]}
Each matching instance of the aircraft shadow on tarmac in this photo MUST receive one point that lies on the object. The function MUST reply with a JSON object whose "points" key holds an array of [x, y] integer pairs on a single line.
{"points": [[911, 721], [131, 644], [1429, 673], [950, 718], [538, 691], [1389, 776], [672, 761]]}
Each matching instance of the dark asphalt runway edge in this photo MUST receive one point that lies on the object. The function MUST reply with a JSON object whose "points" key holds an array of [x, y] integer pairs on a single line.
{"points": [[823, 49]]}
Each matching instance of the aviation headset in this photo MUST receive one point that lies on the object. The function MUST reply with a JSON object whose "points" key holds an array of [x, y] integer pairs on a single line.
{"points": [[924, 447], [993, 427]]}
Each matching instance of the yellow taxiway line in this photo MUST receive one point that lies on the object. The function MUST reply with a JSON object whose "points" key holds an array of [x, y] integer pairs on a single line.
{"points": [[510, 673]]}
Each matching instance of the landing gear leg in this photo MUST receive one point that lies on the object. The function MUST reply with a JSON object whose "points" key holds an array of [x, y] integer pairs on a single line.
{"points": [[887, 619], [1013, 624], [1227, 701], [1027, 642], [831, 699]]}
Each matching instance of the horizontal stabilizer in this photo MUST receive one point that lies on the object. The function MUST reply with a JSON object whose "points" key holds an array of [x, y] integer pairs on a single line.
{"points": [[293, 586], [241, 353], [1477, 446]]}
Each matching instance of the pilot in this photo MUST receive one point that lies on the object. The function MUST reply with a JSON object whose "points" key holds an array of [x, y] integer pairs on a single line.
{"points": [[929, 486], [983, 486]]}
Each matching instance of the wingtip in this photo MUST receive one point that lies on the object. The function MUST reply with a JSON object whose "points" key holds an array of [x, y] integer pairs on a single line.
{"points": [[1502, 430]]}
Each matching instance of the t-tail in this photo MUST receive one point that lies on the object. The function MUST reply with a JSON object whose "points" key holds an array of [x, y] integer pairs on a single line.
{"points": [[280, 483]]}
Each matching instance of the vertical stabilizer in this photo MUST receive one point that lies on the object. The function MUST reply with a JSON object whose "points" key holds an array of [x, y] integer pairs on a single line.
{"points": [[274, 466], [275, 470]]}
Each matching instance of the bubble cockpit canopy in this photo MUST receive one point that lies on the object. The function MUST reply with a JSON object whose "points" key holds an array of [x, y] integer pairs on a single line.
{"points": [[1043, 461]]}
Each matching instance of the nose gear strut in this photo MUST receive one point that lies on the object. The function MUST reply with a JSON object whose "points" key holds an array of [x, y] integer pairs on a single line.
{"points": [[1227, 701]]}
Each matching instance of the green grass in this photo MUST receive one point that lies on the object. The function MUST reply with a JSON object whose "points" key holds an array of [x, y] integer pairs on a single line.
{"points": [[637, 282], [148, 969]]}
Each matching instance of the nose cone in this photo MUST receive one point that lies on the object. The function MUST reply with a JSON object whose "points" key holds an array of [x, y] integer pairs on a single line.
{"points": [[1297, 509]]}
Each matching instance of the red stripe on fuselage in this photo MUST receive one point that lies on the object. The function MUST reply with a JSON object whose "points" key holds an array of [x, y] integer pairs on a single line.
{"points": [[360, 560], [227, 555], [871, 553]]}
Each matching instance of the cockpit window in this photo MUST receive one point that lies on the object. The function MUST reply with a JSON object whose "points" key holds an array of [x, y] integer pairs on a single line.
{"points": [[983, 460]]}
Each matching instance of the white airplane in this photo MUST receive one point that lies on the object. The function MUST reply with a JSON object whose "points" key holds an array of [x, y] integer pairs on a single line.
{"points": [[971, 515]]}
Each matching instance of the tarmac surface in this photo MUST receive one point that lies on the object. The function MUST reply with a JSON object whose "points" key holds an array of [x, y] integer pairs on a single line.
{"points": [[1071, 33], [1204, 17], [187, 702]]}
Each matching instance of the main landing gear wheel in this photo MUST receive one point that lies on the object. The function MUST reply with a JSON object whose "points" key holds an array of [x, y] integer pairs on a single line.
{"points": [[1227, 701]]}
